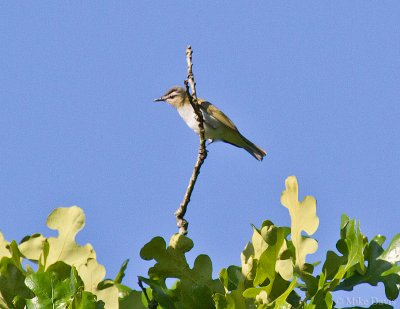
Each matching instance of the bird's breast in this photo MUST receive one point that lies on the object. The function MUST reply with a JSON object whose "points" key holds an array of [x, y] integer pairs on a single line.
{"points": [[188, 115], [212, 127]]}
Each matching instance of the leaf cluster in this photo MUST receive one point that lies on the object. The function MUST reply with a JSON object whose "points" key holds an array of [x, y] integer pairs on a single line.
{"points": [[66, 275], [273, 271], [57, 272]]}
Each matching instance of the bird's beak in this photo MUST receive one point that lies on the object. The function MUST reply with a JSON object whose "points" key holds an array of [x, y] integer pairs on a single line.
{"points": [[159, 99]]}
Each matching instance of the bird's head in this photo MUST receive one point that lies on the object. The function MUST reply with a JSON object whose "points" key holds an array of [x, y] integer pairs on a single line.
{"points": [[175, 96]]}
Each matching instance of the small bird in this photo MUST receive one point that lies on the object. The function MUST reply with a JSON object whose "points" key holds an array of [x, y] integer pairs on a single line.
{"points": [[217, 126]]}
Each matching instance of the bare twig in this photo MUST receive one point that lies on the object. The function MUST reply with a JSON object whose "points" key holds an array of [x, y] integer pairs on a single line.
{"points": [[180, 212]]}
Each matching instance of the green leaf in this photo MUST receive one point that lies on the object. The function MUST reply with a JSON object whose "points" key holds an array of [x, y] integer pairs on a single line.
{"points": [[191, 295], [87, 300], [382, 267], [69, 221], [65, 271], [161, 293], [351, 245], [195, 287], [322, 300], [129, 298], [43, 256], [50, 291], [332, 264], [269, 262], [392, 252], [233, 280], [281, 300], [16, 255], [282, 287], [233, 300], [266, 267], [60, 287], [202, 274], [311, 284], [259, 243], [12, 284], [231, 277], [392, 270], [222, 302], [253, 292], [121, 273], [171, 261], [269, 252], [249, 263], [354, 240]]}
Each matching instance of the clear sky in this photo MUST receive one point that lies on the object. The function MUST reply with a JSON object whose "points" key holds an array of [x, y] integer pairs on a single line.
{"points": [[316, 84]]}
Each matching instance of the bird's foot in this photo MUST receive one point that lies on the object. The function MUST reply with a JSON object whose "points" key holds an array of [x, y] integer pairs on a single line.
{"points": [[209, 142]]}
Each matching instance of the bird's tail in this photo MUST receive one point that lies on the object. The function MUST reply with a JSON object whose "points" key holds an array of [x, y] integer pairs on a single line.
{"points": [[242, 142], [238, 140], [253, 149]]}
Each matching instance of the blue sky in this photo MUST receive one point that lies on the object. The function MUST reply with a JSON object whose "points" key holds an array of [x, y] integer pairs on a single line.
{"points": [[316, 84]]}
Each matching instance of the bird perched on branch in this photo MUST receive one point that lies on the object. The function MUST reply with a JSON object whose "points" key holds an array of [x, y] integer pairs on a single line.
{"points": [[217, 126]]}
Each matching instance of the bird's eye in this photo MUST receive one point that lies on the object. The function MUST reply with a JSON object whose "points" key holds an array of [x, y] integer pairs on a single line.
{"points": [[172, 96]]}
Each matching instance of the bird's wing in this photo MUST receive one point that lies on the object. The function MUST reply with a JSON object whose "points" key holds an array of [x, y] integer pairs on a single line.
{"points": [[213, 112]]}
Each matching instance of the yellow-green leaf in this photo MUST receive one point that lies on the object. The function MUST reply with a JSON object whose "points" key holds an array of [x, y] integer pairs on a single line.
{"points": [[92, 273], [3, 247], [304, 218], [32, 246], [68, 221]]}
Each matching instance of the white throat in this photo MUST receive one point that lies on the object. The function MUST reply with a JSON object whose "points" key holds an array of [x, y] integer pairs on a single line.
{"points": [[188, 115]]}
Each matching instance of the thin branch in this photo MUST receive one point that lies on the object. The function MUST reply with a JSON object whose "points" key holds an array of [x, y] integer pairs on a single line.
{"points": [[181, 211]]}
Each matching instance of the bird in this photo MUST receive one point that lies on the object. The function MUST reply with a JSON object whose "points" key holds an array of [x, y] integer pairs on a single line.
{"points": [[217, 126]]}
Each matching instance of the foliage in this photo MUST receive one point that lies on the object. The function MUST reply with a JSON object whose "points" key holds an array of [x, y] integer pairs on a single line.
{"points": [[67, 275], [273, 271]]}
